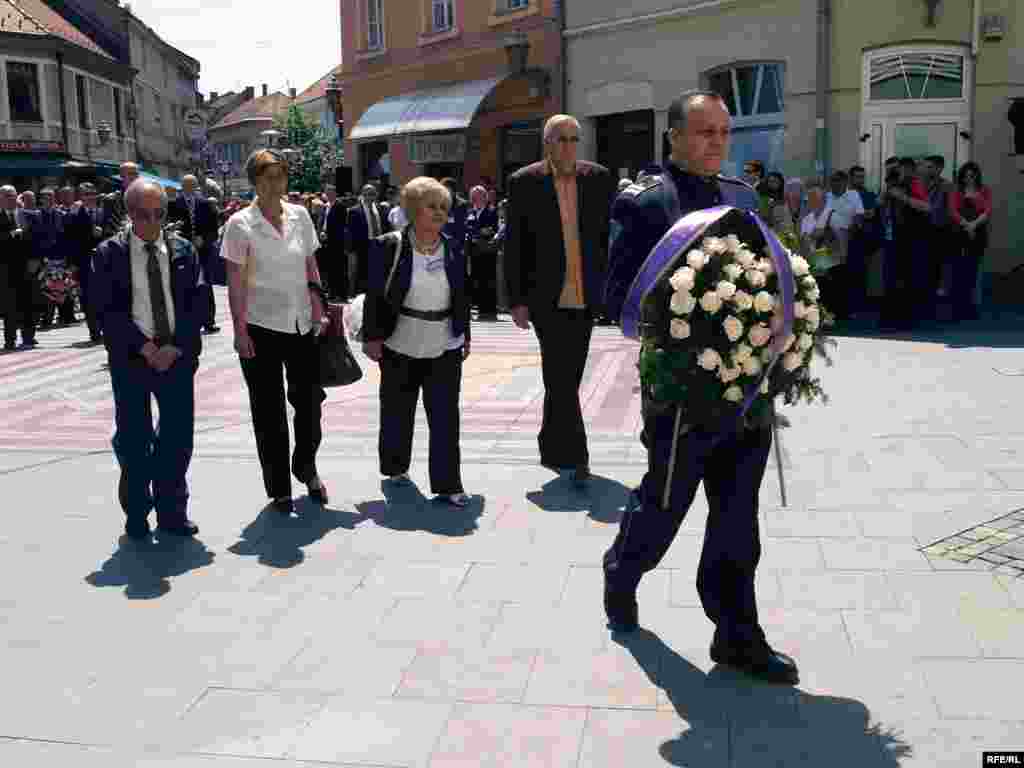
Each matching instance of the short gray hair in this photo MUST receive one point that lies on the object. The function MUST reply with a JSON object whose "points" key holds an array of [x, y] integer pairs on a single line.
{"points": [[557, 121], [8, 189], [138, 188], [680, 107], [416, 192]]}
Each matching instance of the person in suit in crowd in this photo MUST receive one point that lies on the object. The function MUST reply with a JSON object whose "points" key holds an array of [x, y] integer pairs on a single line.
{"points": [[729, 463], [49, 244], [197, 222], [482, 254], [455, 229], [85, 232], [277, 306], [334, 264], [15, 283], [146, 285], [555, 261], [115, 215], [416, 326], [970, 206], [366, 221]]}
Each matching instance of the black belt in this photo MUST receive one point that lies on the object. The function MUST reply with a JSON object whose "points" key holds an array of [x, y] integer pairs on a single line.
{"points": [[426, 314]]}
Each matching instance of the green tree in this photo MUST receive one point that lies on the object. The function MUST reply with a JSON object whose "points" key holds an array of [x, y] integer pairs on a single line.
{"points": [[319, 152]]}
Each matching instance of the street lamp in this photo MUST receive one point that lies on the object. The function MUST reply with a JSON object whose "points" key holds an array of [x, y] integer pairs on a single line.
{"points": [[225, 168], [270, 136]]}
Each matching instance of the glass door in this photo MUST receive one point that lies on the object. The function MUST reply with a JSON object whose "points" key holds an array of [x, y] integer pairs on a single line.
{"points": [[920, 139]]}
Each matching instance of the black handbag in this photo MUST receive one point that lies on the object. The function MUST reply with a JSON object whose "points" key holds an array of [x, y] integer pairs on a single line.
{"points": [[338, 366]]}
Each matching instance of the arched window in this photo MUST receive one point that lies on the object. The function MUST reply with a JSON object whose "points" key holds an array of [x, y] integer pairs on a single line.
{"points": [[755, 96], [916, 75]]}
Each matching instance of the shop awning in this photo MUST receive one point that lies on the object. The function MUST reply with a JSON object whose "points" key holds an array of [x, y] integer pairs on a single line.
{"points": [[448, 108], [31, 165], [160, 180]]}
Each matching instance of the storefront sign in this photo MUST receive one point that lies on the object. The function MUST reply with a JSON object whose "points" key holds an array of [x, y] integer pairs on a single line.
{"points": [[445, 148], [32, 146]]}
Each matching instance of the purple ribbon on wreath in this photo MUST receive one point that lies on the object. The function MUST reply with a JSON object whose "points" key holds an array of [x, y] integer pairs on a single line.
{"points": [[681, 236]]}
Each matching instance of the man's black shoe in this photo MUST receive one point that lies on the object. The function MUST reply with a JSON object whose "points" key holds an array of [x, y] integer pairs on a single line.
{"points": [[765, 664], [212, 329], [621, 608], [186, 528], [137, 532]]}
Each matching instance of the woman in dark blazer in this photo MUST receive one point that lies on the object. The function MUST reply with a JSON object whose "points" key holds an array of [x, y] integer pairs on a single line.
{"points": [[416, 326]]}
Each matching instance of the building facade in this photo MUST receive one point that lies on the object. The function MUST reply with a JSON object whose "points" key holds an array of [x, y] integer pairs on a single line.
{"points": [[813, 85], [239, 132], [454, 88], [65, 102]]}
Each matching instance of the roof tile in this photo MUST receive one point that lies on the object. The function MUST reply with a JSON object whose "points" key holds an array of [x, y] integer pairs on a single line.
{"points": [[36, 17]]}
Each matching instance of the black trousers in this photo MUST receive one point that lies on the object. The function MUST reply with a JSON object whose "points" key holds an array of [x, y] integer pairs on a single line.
{"points": [[485, 279], [362, 275], [211, 306], [296, 355], [564, 336], [333, 265], [153, 461], [401, 379], [966, 262], [85, 283], [22, 312], [731, 465]]}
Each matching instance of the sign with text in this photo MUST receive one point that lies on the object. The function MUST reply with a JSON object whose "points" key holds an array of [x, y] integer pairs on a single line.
{"points": [[438, 148], [18, 145]]}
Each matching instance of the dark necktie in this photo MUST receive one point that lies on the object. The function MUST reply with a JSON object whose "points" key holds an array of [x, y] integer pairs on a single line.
{"points": [[161, 320]]}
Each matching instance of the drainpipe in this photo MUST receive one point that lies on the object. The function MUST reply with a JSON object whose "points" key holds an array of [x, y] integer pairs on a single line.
{"points": [[822, 161], [564, 55], [63, 103]]}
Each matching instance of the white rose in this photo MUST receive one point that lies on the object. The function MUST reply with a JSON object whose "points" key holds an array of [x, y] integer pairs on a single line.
{"points": [[680, 329], [715, 245], [682, 303], [766, 267], [732, 243], [709, 360], [806, 342], [760, 334], [813, 318], [743, 300], [752, 367], [733, 271], [809, 282], [697, 259], [756, 278], [733, 394], [710, 302], [728, 374], [733, 328], [764, 302], [792, 361], [764, 387], [682, 279], [742, 353], [725, 290], [800, 265], [746, 258], [799, 310]]}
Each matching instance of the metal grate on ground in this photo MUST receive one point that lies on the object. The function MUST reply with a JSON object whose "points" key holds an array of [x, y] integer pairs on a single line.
{"points": [[999, 543]]}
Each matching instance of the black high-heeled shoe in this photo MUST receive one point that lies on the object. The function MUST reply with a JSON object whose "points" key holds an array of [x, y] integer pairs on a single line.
{"points": [[318, 493], [284, 506]]}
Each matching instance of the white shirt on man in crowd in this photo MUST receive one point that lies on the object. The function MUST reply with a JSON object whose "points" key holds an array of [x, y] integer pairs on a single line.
{"points": [[845, 207], [275, 264], [142, 302]]}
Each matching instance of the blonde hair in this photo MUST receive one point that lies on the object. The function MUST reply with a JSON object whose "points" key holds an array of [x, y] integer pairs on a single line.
{"points": [[416, 192], [557, 121]]}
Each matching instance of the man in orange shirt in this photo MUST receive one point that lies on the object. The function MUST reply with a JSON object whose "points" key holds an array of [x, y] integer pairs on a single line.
{"points": [[555, 263]]}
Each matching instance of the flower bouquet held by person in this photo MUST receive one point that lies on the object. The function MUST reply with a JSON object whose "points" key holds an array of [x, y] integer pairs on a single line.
{"points": [[58, 285], [728, 319]]}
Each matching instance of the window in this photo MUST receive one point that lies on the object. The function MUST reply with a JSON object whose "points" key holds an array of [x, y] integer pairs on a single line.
{"points": [[443, 16], [118, 127], [515, 5], [23, 92], [752, 90], [374, 24], [901, 76], [83, 108], [157, 109]]}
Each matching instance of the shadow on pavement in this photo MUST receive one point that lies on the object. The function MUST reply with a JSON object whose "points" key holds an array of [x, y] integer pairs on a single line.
{"points": [[997, 329], [405, 508], [278, 540], [143, 568], [603, 499], [766, 724]]}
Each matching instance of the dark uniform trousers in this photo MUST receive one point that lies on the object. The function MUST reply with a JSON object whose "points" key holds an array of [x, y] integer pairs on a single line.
{"points": [[297, 355], [731, 466], [564, 336], [153, 461], [401, 379]]}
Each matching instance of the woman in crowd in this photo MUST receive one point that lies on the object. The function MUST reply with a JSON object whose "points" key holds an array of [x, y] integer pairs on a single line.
{"points": [[277, 306], [774, 202], [416, 326], [815, 232], [793, 194], [970, 206]]}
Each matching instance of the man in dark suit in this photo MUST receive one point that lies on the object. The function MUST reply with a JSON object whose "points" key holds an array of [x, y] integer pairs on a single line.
{"points": [[197, 223], [366, 221], [332, 239], [84, 233], [455, 229], [482, 253], [15, 288], [115, 216], [555, 256], [730, 462], [147, 288]]}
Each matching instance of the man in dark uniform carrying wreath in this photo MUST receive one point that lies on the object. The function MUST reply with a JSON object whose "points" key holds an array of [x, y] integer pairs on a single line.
{"points": [[731, 463]]}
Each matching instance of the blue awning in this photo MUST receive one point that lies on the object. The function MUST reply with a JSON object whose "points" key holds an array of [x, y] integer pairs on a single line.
{"points": [[448, 108], [160, 180]]}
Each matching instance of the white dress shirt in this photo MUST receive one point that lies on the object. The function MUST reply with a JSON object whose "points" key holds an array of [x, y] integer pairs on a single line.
{"points": [[845, 207], [372, 219], [397, 218], [142, 304], [429, 291], [275, 265]]}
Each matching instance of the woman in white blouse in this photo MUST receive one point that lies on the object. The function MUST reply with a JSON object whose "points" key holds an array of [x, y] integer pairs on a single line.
{"points": [[277, 308], [416, 325]]}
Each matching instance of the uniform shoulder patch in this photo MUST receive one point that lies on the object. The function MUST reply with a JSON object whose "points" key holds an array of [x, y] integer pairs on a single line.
{"points": [[639, 187]]}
